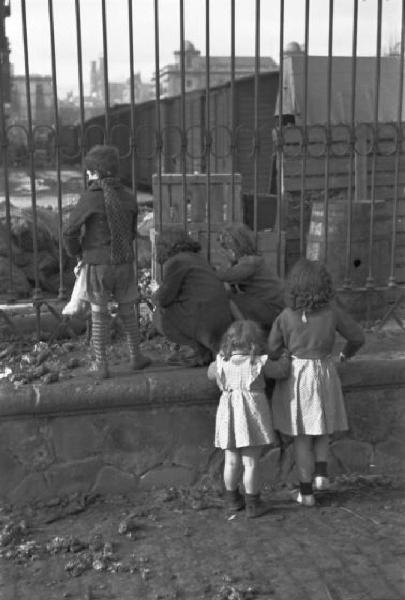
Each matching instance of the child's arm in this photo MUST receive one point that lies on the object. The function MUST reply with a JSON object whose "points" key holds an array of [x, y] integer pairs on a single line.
{"points": [[242, 270], [173, 275], [275, 342], [278, 369], [212, 371], [351, 331]]}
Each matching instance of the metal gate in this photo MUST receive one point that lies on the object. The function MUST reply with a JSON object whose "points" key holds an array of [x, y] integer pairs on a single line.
{"points": [[307, 139]]}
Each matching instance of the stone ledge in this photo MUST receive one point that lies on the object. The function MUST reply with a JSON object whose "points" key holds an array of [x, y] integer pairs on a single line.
{"points": [[164, 387]]}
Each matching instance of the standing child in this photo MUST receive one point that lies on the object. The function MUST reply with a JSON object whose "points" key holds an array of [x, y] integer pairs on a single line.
{"points": [[100, 232], [309, 404], [243, 421]]}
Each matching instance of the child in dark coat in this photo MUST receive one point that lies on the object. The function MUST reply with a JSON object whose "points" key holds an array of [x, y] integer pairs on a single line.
{"points": [[100, 231]]}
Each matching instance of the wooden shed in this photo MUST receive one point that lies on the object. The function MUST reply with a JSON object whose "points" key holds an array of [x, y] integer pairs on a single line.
{"points": [[319, 171]]}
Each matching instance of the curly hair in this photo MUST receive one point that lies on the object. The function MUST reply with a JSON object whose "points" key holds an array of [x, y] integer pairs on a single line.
{"points": [[309, 285], [244, 336], [102, 159], [239, 238], [171, 242]]}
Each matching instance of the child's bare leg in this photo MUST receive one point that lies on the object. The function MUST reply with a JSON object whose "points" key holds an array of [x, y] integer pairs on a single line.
{"points": [[255, 507], [99, 332], [131, 328], [232, 469], [304, 457], [251, 474]]}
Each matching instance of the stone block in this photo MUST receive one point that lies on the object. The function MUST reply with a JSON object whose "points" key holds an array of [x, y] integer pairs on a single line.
{"points": [[167, 476], [270, 466], [71, 477], [352, 455], [113, 481], [75, 438], [32, 487], [194, 456], [11, 472], [390, 456], [374, 415]]}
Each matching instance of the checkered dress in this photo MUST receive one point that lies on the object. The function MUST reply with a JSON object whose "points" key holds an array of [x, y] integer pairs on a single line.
{"points": [[243, 415], [310, 401]]}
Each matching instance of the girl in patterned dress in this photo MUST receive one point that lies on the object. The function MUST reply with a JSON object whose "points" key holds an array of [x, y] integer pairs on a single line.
{"points": [[243, 420], [309, 404]]}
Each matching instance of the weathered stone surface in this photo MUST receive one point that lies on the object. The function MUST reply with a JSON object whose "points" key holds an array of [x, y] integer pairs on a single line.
{"points": [[112, 481], [74, 438], [71, 477], [390, 455], [11, 472], [28, 442], [353, 455], [167, 476], [375, 415], [270, 466], [32, 487]]}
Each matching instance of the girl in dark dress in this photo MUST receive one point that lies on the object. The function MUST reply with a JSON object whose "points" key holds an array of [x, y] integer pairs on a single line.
{"points": [[255, 290], [192, 307]]}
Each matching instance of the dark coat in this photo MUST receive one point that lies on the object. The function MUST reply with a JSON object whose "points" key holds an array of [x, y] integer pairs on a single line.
{"points": [[87, 234], [260, 295], [192, 301]]}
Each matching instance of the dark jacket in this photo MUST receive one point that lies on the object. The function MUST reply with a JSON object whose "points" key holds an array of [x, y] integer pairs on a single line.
{"points": [[87, 234], [192, 301]]}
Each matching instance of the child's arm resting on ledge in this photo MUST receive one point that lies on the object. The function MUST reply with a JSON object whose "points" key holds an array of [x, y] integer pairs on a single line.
{"points": [[278, 369]]}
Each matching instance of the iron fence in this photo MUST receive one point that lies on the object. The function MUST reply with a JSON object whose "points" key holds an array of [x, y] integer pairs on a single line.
{"points": [[279, 148]]}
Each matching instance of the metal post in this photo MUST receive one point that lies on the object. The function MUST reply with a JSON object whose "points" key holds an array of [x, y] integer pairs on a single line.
{"points": [[208, 124]]}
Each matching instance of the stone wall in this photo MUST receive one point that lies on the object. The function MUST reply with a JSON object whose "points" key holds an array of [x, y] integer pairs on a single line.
{"points": [[156, 429]]}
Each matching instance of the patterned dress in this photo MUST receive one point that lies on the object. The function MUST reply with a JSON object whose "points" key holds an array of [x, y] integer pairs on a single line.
{"points": [[310, 401], [243, 416]]}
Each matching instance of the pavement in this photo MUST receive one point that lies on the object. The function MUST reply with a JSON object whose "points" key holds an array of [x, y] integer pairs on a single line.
{"points": [[181, 544]]}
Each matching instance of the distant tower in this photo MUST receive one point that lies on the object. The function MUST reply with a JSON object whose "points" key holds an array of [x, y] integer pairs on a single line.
{"points": [[4, 51]]}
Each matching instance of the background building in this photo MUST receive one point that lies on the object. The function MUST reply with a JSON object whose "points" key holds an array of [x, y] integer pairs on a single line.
{"points": [[195, 68]]}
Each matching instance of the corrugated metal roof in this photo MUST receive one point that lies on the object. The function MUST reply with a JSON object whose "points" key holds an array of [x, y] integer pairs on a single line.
{"points": [[293, 100]]}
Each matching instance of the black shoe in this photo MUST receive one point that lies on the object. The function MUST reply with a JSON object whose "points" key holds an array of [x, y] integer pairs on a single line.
{"points": [[234, 501], [255, 507]]}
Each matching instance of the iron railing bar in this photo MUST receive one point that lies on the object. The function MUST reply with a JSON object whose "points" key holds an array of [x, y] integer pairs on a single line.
{"points": [[132, 96], [232, 110], [4, 146], [347, 279], [328, 129], [183, 114], [370, 278], [208, 124], [62, 289], [80, 83], [256, 114], [304, 130], [37, 293], [157, 116], [280, 142], [105, 72], [392, 279]]}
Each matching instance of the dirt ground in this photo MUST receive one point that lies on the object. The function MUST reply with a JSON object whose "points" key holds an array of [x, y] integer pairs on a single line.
{"points": [[181, 544]]}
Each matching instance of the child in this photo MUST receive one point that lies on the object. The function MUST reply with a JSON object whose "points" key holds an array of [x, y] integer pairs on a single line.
{"points": [[100, 232], [260, 293], [309, 404], [243, 421]]}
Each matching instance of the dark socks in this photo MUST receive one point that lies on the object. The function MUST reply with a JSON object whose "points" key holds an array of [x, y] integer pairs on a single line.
{"points": [[306, 488], [321, 469]]}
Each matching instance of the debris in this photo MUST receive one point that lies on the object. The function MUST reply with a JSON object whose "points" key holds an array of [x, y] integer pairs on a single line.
{"points": [[51, 377]]}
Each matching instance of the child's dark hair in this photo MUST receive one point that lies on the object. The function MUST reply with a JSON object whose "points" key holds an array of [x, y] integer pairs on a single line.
{"points": [[239, 238], [243, 337], [309, 285], [171, 242], [103, 159]]}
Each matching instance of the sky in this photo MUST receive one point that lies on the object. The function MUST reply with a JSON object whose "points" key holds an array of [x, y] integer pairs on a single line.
{"points": [[169, 33]]}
